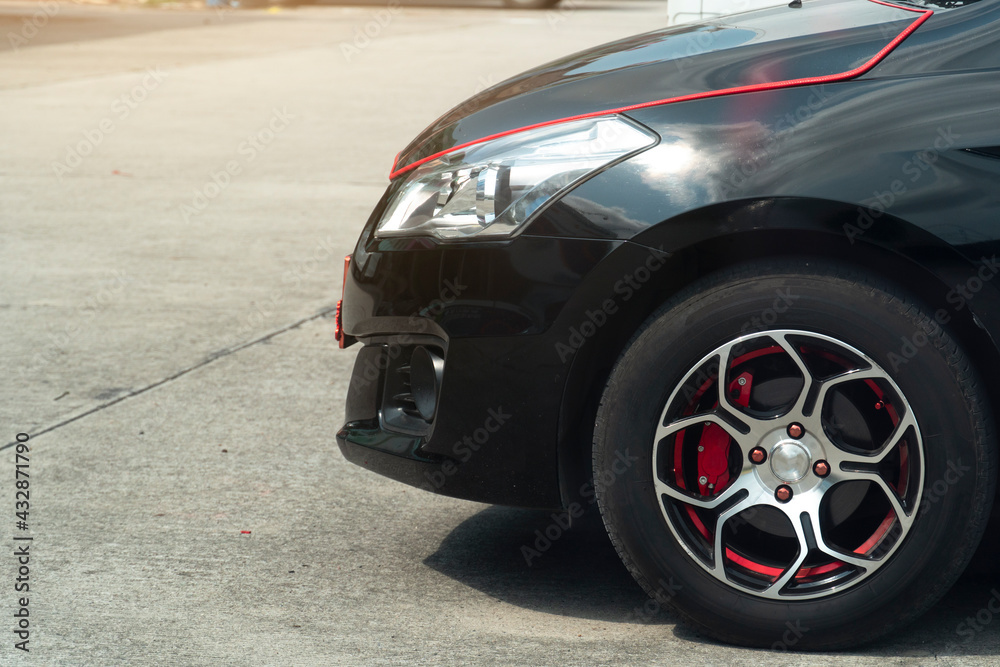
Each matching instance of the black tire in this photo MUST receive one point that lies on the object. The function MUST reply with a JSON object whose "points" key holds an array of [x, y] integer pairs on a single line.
{"points": [[530, 4], [939, 457]]}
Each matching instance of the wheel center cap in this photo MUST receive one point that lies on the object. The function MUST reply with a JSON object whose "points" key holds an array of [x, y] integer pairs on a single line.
{"points": [[789, 461]]}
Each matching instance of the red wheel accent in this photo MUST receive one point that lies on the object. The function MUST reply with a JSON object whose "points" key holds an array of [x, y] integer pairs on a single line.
{"points": [[758, 568], [713, 460], [883, 528]]}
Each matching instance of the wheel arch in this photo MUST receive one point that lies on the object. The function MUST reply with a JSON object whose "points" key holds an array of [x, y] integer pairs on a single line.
{"points": [[718, 237]]}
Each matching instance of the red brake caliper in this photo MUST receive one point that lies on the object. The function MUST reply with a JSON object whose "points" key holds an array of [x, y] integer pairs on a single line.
{"points": [[713, 447]]}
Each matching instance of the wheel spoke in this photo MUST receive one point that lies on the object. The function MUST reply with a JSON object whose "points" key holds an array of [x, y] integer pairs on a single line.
{"points": [[798, 410], [687, 422], [849, 376], [821, 545], [854, 462], [873, 476], [718, 549], [904, 517], [754, 429], [774, 590], [853, 467], [757, 427], [744, 484]]}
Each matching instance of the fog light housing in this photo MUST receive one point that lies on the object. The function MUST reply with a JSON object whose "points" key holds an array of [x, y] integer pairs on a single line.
{"points": [[426, 371]]}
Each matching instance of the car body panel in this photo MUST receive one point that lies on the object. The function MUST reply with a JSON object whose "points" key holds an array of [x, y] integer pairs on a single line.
{"points": [[895, 171], [768, 46]]}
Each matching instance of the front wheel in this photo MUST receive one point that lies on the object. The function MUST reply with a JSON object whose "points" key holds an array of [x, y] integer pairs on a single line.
{"points": [[812, 457]]}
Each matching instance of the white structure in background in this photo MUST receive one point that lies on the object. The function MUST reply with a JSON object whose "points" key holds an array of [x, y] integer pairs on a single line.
{"points": [[690, 11]]}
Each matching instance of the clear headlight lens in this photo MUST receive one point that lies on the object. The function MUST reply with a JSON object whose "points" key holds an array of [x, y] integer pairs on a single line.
{"points": [[489, 190]]}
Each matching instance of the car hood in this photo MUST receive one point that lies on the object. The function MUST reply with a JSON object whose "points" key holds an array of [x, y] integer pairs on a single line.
{"points": [[824, 40]]}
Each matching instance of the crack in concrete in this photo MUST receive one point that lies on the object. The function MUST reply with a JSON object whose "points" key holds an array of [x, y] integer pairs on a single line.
{"points": [[213, 357]]}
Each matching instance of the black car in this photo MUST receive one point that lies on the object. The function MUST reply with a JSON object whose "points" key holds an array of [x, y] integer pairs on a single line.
{"points": [[732, 284]]}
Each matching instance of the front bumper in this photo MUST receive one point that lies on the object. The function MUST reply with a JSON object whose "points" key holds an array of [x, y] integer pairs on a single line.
{"points": [[492, 436], [525, 353], [491, 312]]}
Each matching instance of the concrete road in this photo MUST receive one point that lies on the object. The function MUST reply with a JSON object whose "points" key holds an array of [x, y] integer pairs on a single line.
{"points": [[177, 190]]}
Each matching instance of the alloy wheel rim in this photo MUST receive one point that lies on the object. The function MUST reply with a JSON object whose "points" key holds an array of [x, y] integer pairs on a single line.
{"points": [[795, 472]]}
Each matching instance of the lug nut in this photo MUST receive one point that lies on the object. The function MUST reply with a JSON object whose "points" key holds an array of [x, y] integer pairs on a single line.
{"points": [[795, 431], [758, 455], [821, 468], [783, 493]]}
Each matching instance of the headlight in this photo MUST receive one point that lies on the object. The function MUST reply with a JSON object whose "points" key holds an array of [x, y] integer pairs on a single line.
{"points": [[489, 190]]}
